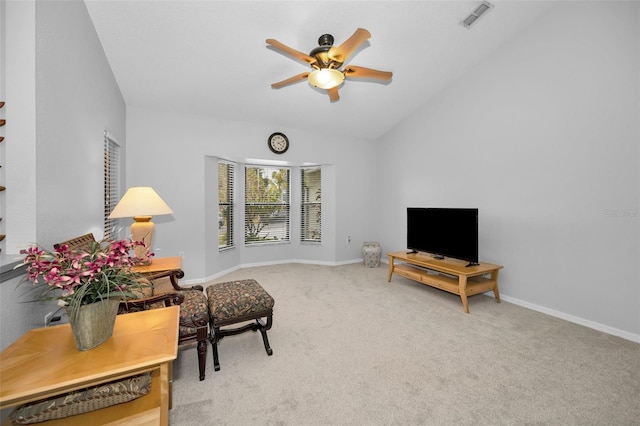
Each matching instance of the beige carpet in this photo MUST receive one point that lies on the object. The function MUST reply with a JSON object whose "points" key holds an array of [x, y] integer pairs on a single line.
{"points": [[351, 349]]}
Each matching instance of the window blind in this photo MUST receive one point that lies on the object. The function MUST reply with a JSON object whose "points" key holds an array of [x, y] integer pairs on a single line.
{"points": [[267, 204], [311, 204], [225, 205], [111, 184]]}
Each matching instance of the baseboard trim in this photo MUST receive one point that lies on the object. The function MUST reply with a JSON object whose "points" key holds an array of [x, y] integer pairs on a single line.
{"points": [[571, 318], [271, 263]]}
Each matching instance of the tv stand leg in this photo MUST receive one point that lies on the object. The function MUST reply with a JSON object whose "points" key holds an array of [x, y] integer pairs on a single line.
{"points": [[390, 269], [462, 287], [496, 292]]}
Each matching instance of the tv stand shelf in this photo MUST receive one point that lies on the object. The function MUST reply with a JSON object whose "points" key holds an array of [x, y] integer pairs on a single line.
{"points": [[450, 275]]}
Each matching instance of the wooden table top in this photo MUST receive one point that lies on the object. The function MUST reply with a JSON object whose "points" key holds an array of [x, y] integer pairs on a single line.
{"points": [[160, 264], [447, 265], [45, 362]]}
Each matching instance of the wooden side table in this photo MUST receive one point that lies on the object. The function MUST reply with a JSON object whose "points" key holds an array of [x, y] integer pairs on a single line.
{"points": [[45, 363], [165, 267]]}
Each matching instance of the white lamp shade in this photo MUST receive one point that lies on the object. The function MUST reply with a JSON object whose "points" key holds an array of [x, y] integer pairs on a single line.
{"points": [[140, 201]]}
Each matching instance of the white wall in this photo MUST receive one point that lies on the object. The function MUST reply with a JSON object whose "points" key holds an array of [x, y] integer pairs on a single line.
{"points": [[19, 148], [75, 98], [171, 153], [543, 138]]}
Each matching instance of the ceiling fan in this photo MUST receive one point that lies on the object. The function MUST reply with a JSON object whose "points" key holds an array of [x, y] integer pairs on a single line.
{"points": [[326, 60]]}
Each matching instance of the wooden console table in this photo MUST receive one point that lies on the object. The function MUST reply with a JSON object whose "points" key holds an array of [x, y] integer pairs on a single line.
{"points": [[450, 275], [45, 363]]}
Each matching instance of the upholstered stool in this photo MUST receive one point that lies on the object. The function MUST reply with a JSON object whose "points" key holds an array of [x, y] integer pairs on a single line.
{"points": [[234, 302]]}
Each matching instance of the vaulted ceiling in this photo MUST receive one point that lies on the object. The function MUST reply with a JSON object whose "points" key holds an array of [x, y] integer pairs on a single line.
{"points": [[210, 57]]}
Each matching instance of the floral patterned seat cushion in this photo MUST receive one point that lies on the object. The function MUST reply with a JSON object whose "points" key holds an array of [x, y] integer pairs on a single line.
{"points": [[236, 300], [194, 302]]}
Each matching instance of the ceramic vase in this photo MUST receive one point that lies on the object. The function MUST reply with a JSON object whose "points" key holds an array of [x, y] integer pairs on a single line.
{"points": [[371, 253]]}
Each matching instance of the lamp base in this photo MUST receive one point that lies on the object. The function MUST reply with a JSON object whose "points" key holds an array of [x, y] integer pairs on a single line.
{"points": [[142, 229]]}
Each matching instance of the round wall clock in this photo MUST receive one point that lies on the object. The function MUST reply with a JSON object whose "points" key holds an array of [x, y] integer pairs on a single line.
{"points": [[278, 143]]}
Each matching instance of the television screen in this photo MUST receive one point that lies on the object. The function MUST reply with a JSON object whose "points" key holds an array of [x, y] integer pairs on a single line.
{"points": [[444, 232]]}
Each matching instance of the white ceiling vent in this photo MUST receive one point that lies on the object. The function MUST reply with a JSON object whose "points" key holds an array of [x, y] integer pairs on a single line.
{"points": [[476, 14]]}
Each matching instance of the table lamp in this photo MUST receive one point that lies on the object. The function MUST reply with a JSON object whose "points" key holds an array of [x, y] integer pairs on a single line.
{"points": [[141, 203]]}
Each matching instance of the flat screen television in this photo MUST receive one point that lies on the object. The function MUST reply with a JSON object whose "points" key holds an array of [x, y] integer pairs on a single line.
{"points": [[444, 232]]}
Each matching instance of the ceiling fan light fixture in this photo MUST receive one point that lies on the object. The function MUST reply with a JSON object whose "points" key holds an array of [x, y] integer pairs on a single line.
{"points": [[326, 78], [326, 62]]}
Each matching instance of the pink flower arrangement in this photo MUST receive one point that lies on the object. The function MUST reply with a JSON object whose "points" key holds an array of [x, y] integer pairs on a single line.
{"points": [[80, 277]]}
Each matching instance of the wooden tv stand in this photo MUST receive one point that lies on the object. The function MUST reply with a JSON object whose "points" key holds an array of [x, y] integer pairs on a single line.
{"points": [[450, 275]]}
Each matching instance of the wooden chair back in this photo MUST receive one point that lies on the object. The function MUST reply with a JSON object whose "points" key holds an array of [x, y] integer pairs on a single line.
{"points": [[82, 242]]}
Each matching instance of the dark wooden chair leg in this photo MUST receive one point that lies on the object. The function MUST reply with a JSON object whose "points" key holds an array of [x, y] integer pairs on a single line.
{"points": [[202, 334], [214, 346], [263, 330], [202, 357]]}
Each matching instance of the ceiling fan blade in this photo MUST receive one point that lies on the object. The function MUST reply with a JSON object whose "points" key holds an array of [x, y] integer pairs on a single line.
{"points": [[290, 80], [362, 72], [342, 52], [290, 51], [333, 94]]}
